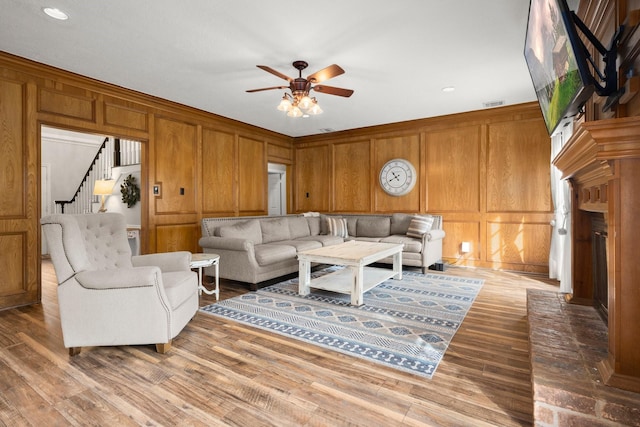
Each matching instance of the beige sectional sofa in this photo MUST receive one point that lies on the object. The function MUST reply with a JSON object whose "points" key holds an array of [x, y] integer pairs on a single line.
{"points": [[259, 248]]}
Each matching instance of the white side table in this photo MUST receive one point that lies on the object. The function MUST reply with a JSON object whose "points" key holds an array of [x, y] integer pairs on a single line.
{"points": [[206, 260]]}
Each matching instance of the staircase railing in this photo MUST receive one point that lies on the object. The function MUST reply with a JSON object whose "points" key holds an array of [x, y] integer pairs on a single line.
{"points": [[83, 198], [125, 152]]}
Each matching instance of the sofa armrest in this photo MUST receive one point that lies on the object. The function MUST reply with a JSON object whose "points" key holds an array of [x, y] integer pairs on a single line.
{"points": [[228, 243], [435, 235], [121, 278], [167, 261]]}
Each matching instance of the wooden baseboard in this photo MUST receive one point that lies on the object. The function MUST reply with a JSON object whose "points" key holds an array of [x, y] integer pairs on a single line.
{"points": [[613, 379]]}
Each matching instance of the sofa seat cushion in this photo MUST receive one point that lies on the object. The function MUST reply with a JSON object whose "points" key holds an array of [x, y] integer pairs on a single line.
{"points": [[270, 253], [324, 240], [177, 288], [410, 244], [302, 245]]}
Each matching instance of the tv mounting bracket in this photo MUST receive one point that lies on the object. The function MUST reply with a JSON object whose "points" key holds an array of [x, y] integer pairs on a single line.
{"points": [[609, 56]]}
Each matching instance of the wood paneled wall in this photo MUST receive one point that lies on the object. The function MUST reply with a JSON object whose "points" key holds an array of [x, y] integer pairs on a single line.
{"points": [[486, 172], [202, 164], [19, 169]]}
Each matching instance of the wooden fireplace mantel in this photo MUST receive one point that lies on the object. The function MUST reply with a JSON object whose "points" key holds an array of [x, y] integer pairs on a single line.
{"points": [[602, 162], [594, 144]]}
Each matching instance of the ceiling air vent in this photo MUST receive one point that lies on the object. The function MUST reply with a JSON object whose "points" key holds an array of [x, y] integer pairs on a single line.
{"points": [[491, 104]]}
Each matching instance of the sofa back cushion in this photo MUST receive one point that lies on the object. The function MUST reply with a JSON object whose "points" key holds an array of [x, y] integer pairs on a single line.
{"points": [[314, 225], [275, 230], [249, 230], [299, 227], [400, 223], [369, 226], [352, 222]]}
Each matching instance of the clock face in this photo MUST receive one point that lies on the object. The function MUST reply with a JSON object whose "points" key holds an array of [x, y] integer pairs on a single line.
{"points": [[398, 177]]}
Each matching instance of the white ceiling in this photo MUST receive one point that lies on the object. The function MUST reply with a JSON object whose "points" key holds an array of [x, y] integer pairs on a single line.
{"points": [[203, 53]]}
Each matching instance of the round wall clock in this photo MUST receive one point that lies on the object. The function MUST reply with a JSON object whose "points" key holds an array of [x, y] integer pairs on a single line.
{"points": [[398, 177]]}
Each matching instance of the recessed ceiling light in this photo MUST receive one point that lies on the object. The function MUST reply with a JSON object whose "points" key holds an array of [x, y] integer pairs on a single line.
{"points": [[448, 89], [55, 13]]}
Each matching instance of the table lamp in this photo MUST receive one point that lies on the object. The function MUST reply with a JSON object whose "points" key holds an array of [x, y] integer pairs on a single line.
{"points": [[103, 188]]}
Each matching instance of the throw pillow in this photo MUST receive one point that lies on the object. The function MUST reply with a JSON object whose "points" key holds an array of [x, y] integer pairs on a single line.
{"points": [[419, 225], [337, 227]]}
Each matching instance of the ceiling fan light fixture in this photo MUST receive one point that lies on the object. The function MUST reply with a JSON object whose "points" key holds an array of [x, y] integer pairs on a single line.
{"points": [[315, 108], [305, 102], [285, 103], [298, 103], [295, 112]]}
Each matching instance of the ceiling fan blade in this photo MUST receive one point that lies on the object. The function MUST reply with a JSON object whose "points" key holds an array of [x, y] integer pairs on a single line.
{"points": [[333, 90], [267, 88], [274, 72], [325, 74]]}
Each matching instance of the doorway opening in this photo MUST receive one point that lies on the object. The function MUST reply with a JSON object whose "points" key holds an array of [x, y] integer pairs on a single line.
{"points": [[71, 163], [277, 189]]}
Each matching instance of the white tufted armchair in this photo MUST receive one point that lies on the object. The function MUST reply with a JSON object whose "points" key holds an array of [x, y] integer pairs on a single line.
{"points": [[108, 297]]}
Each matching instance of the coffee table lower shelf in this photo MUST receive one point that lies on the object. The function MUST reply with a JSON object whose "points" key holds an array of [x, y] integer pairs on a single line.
{"points": [[343, 280]]}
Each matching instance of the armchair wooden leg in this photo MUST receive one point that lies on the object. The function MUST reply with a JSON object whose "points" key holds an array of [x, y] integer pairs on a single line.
{"points": [[163, 348], [74, 351]]}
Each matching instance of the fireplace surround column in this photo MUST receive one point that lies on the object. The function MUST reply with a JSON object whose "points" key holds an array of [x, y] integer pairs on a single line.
{"points": [[602, 162]]}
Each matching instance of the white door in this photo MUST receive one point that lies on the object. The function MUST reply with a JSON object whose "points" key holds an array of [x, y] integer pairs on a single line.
{"points": [[275, 193]]}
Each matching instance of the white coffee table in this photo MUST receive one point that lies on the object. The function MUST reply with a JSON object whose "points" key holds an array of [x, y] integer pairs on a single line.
{"points": [[357, 278], [200, 261]]}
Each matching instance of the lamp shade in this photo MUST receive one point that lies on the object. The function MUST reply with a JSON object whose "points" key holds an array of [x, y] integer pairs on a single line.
{"points": [[294, 112], [305, 102], [315, 109], [103, 187]]}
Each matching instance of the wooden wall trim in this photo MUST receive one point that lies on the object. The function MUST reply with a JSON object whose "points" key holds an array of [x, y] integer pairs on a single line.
{"points": [[54, 79], [524, 111]]}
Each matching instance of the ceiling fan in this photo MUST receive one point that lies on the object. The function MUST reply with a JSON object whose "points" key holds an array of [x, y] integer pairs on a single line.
{"points": [[300, 87]]}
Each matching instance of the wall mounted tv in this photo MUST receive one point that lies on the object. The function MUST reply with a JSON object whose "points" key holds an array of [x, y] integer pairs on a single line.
{"points": [[557, 68], [559, 62]]}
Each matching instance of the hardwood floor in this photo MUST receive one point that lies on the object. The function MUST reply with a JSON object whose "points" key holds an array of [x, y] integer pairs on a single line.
{"points": [[222, 373]]}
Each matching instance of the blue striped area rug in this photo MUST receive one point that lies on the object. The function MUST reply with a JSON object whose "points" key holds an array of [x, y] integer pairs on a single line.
{"points": [[404, 324]]}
